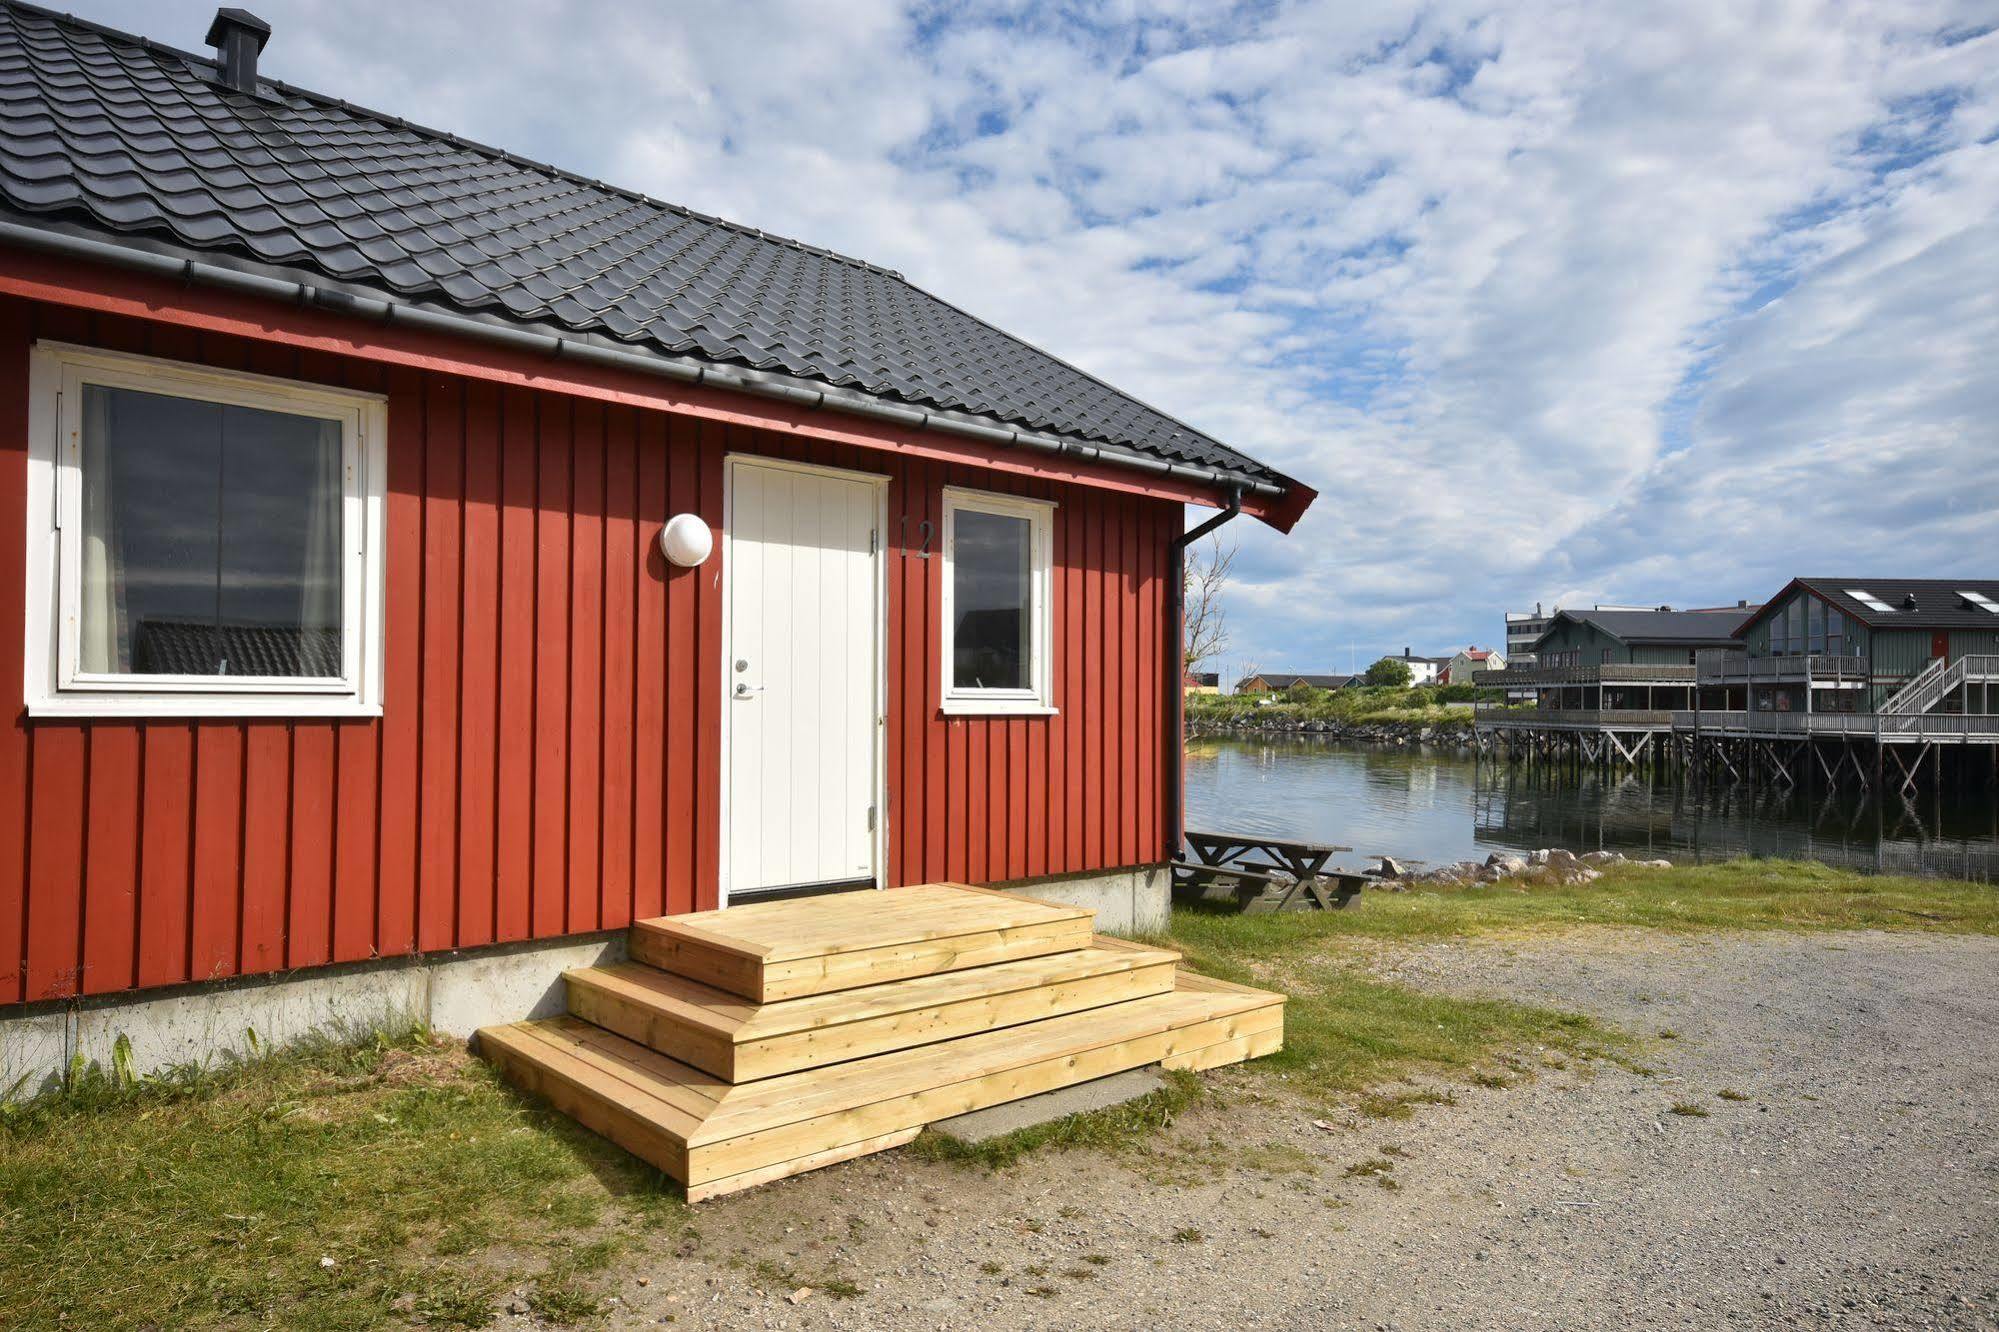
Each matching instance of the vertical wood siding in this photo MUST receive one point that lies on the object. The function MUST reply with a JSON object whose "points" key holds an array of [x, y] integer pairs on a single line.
{"points": [[548, 756]]}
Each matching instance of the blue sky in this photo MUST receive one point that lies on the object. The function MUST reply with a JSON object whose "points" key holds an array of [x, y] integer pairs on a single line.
{"points": [[1558, 303]]}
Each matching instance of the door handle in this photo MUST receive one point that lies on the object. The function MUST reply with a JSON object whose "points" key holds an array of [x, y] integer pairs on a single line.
{"points": [[745, 690]]}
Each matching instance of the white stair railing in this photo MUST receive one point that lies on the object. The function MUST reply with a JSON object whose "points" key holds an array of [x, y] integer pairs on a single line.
{"points": [[1926, 690]]}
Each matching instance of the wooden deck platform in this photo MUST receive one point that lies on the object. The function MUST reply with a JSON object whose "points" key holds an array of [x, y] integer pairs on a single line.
{"points": [[953, 998], [813, 945]]}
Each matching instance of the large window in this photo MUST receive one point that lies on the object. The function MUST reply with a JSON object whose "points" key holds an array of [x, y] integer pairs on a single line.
{"points": [[998, 604], [212, 545]]}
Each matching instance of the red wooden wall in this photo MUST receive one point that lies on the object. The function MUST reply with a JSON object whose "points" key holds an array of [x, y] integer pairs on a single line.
{"points": [[547, 758]]}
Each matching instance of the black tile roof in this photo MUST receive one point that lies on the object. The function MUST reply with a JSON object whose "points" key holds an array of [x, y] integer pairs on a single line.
{"points": [[1272, 680], [112, 134], [1913, 603], [181, 647], [1689, 628]]}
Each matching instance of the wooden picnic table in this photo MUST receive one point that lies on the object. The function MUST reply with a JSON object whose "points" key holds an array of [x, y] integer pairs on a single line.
{"points": [[1271, 872]]}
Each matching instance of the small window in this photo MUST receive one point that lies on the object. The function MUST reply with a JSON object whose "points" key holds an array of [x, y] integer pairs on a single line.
{"points": [[998, 604], [213, 542]]}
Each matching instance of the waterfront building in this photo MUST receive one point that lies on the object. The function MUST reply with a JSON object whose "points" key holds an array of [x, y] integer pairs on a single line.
{"points": [[1845, 650], [1607, 681]]}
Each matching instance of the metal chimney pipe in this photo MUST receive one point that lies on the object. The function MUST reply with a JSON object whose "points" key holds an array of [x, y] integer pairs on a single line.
{"points": [[238, 37]]}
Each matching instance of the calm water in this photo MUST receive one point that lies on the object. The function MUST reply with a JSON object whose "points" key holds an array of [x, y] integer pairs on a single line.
{"points": [[1436, 807]]}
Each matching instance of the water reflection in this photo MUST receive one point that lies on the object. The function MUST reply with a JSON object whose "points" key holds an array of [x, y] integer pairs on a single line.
{"points": [[1439, 806]]}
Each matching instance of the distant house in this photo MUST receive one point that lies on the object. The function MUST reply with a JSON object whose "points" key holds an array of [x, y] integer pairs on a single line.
{"points": [[1201, 682], [1423, 670], [1460, 668], [1270, 682]]}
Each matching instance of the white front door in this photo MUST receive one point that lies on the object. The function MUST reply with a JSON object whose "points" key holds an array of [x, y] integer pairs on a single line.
{"points": [[802, 674]]}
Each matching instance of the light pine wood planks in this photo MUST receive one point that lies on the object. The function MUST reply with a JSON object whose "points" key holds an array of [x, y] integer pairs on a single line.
{"points": [[784, 950], [706, 1132], [753, 1043], [742, 1041]]}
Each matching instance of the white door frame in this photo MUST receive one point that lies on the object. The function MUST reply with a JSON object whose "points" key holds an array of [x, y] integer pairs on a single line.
{"points": [[879, 560]]}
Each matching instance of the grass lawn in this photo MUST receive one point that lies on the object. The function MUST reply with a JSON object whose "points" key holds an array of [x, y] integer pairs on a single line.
{"points": [[395, 1181]]}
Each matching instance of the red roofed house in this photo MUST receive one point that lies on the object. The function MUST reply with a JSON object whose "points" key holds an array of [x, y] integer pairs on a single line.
{"points": [[431, 563]]}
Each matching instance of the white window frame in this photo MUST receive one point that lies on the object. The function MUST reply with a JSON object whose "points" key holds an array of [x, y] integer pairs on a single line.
{"points": [[1038, 700], [55, 687]]}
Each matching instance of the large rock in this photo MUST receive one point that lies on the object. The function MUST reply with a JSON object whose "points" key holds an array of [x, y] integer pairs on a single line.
{"points": [[1602, 858]]}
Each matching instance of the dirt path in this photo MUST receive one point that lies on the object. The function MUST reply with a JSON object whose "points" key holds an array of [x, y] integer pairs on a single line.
{"points": [[1857, 1185]]}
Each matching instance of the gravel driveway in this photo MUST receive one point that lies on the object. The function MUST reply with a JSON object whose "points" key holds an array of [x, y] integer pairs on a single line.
{"points": [[1855, 1185]]}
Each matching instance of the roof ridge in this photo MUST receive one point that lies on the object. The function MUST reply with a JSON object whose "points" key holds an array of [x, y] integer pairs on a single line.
{"points": [[458, 141]]}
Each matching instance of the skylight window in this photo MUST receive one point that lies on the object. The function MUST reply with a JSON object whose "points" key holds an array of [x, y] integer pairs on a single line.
{"points": [[1869, 600], [1980, 600]]}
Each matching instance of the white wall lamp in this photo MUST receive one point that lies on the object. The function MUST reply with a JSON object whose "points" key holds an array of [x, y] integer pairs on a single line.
{"points": [[686, 540]]}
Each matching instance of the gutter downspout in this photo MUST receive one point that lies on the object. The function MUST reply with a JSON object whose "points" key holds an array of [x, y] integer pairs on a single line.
{"points": [[1176, 674]]}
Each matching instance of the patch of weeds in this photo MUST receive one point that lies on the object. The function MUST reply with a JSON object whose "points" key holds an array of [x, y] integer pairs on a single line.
{"points": [[1042, 1292], [1687, 1108], [1188, 1235], [457, 1300], [1034, 1270], [1492, 1080], [1402, 1104], [1069, 1212], [1095, 1259], [1668, 1034], [991, 1268], [559, 1301], [1033, 1225], [1730, 1094], [1390, 1149], [1115, 1129], [1374, 1167], [1272, 1158], [778, 1279], [1079, 1273]]}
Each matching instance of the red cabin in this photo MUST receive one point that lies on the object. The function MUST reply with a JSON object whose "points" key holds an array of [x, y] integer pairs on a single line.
{"points": [[428, 554]]}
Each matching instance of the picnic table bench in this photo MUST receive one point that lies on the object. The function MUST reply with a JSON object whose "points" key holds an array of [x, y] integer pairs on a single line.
{"points": [[1264, 873]]}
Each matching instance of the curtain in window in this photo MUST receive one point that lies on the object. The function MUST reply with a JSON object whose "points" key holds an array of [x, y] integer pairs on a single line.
{"points": [[319, 579], [106, 645]]}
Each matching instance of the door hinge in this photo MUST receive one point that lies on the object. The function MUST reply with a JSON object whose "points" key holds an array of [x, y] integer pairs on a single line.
{"points": [[871, 818], [874, 541]]}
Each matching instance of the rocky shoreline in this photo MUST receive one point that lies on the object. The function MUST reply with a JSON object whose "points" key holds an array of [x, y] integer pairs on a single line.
{"points": [[1549, 865], [1450, 734]]}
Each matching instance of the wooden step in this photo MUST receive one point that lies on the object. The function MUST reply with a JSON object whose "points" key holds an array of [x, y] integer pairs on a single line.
{"points": [[716, 1137], [740, 1041], [815, 945]]}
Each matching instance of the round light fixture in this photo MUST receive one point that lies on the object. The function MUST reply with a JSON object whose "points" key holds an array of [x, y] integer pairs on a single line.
{"points": [[685, 540]]}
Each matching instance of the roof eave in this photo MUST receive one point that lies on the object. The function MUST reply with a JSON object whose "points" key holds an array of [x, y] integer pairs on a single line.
{"points": [[1278, 505]]}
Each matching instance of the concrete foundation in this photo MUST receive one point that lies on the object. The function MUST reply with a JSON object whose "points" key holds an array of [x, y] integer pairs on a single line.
{"points": [[454, 993], [1127, 901], [996, 1121]]}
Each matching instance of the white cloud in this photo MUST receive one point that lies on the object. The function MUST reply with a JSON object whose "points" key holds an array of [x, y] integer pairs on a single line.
{"points": [[1549, 301]]}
